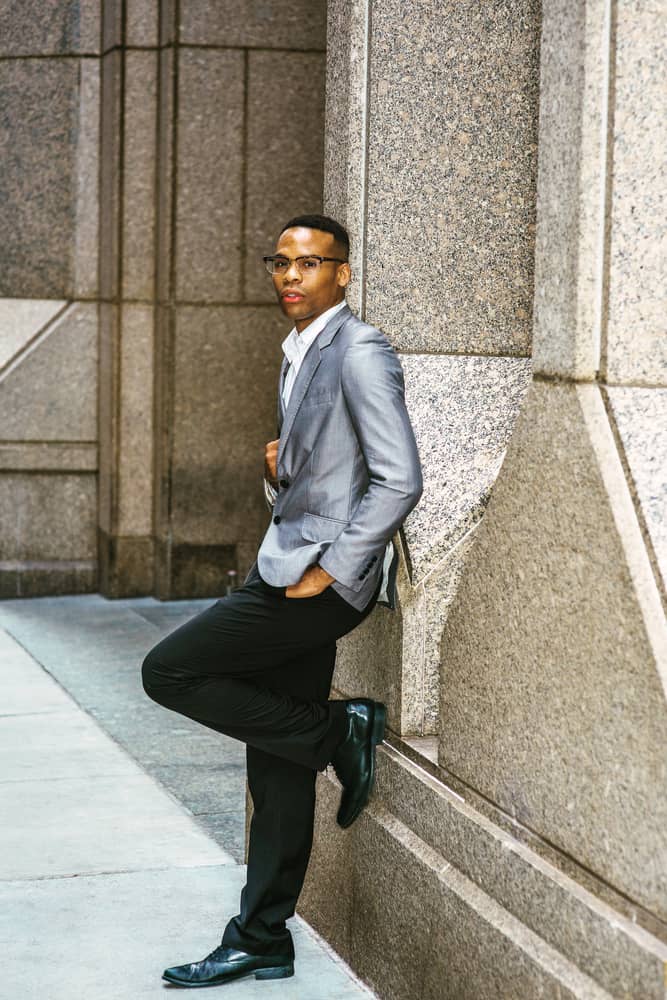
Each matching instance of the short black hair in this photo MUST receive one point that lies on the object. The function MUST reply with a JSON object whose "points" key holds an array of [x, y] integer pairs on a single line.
{"points": [[324, 223]]}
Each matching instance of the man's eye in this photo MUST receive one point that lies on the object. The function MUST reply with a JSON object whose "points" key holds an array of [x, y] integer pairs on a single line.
{"points": [[310, 263], [279, 265]]}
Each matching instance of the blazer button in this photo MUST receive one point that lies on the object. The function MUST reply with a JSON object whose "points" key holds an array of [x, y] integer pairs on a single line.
{"points": [[361, 577], [284, 483], [276, 519], [373, 559]]}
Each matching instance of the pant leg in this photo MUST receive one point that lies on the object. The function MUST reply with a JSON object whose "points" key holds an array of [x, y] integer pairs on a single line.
{"points": [[281, 829], [210, 670]]}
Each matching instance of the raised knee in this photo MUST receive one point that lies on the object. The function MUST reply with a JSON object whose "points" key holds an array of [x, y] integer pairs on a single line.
{"points": [[155, 677]]}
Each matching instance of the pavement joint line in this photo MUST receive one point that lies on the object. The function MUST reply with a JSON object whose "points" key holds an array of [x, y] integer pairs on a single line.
{"points": [[117, 871]]}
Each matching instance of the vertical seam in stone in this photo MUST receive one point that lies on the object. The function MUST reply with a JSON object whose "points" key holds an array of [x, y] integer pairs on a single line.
{"points": [[365, 128], [607, 180]]}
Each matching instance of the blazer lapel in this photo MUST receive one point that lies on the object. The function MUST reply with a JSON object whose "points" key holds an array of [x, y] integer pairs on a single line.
{"points": [[308, 368], [281, 402]]}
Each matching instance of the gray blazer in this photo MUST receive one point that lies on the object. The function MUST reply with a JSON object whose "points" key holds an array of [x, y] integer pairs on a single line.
{"points": [[348, 466]]}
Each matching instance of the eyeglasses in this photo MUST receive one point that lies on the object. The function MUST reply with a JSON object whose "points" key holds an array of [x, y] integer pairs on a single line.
{"points": [[305, 265]]}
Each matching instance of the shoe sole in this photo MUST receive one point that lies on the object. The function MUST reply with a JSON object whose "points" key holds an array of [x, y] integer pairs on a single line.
{"points": [[278, 972], [377, 735]]}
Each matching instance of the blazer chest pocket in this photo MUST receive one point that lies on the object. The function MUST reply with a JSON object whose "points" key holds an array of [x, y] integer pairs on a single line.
{"points": [[318, 396], [321, 529]]}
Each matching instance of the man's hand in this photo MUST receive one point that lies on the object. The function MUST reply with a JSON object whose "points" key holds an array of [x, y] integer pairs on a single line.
{"points": [[271, 461], [313, 582]]}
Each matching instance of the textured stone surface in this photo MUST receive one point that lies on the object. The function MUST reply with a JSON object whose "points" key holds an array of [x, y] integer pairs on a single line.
{"points": [[39, 100], [419, 927], [141, 27], [463, 411], [110, 159], [284, 140], [218, 449], [135, 422], [210, 167], [562, 721], [21, 320], [641, 418], [570, 194], [165, 174], [368, 663], [86, 239], [607, 945], [345, 134], [33, 28], [47, 517], [636, 349], [293, 24], [52, 393], [139, 153], [52, 456], [451, 174]]}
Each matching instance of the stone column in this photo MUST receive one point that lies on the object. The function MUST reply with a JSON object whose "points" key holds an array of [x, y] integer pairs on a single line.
{"points": [[49, 94], [196, 123]]}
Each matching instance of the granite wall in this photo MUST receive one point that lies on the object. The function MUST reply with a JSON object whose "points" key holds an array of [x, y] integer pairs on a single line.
{"points": [[139, 143], [49, 95], [501, 169]]}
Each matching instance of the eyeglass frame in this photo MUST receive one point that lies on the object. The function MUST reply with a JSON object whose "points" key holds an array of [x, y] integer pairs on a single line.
{"points": [[294, 260]]}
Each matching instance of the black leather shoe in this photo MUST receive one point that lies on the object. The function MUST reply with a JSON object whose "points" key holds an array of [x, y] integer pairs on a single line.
{"points": [[225, 963], [354, 760]]}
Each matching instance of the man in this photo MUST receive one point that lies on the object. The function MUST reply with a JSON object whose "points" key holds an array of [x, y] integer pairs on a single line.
{"points": [[257, 665]]}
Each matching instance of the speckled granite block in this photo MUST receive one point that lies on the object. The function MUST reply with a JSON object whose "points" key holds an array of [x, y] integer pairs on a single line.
{"points": [[47, 517], [553, 704], [273, 128], [570, 192], [139, 154], [86, 245], [292, 24], [641, 418], [636, 349], [35, 28], [209, 200], [142, 22], [110, 173], [345, 133], [451, 174], [51, 394], [463, 411], [40, 103], [134, 490], [21, 320], [220, 425]]}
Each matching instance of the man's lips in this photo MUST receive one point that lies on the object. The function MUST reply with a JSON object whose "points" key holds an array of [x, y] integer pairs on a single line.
{"points": [[291, 296]]}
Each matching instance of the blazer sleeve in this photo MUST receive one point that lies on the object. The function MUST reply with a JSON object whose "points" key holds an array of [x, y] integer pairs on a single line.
{"points": [[374, 391]]}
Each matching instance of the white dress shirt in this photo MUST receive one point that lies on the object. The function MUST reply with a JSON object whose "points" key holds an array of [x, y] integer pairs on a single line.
{"points": [[295, 345]]}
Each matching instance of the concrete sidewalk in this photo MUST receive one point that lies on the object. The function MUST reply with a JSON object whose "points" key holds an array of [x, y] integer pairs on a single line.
{"points": [[114, 858]]}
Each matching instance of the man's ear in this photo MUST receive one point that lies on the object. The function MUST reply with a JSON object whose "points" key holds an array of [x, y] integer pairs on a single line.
{"points": [[344, 275]]}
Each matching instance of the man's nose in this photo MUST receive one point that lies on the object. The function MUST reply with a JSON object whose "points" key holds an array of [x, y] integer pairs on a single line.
{"points": [[292, 272]]}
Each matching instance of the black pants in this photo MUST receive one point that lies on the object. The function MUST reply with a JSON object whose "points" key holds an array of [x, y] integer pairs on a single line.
{"points": [[257, 666]]}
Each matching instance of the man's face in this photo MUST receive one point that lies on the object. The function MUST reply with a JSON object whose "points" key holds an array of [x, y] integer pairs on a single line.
{"points": [[304, 297]]}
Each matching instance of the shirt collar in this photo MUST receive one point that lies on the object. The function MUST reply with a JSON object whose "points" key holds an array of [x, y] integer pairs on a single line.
{"points": [[296, 344]]}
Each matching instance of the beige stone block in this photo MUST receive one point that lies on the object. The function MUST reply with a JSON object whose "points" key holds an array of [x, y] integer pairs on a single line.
{"points": [[47, 517], [210, 169], [141, 27], [636, 347], [53, 456], [110, 173], [51, 393], [33, 28], [641, 419], [86, 241], [135, 422], [292, 24], [165, 174], [226, 367], [38, 147], [451, 175], [284, 139], [107, 413], [21, 320], [112, 24], [553, 704], [571, 188], [139, 154]]}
